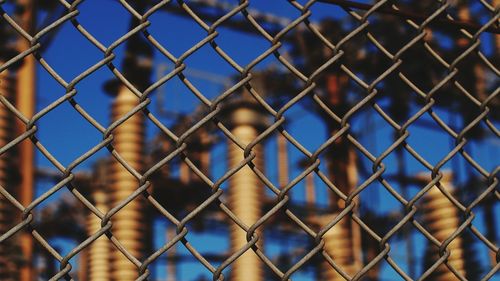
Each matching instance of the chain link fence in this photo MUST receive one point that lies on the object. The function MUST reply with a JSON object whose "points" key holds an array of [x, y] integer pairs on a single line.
{"points": [[403, 61]]}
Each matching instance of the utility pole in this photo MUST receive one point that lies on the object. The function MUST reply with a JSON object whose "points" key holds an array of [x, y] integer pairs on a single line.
{"points": [[25, 103]]}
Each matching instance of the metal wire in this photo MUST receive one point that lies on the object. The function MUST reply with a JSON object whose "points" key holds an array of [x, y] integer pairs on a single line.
{"points": [[215, 108]]}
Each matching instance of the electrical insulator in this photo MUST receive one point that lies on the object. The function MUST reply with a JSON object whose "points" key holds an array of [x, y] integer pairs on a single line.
{"points": [[99, 251], [246, 191], [339, 245], [128, 223], [442, 219]]}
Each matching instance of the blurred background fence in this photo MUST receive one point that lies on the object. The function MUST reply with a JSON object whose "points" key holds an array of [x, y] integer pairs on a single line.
{"points": [[249, 140]]}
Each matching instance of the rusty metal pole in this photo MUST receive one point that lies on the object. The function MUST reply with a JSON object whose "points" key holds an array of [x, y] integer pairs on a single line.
{"points": [[129, 222], [9, 268], [25, 103], [442, 219], [246, 192]]}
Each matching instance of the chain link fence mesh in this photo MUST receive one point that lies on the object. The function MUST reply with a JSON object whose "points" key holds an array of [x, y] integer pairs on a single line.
{"points": [[402, 56]]}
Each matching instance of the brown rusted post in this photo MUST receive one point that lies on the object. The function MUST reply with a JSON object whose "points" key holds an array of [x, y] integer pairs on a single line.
{"points": [[25, 103], [9, 265], [441, 220], [128, 223], [246, 192]]}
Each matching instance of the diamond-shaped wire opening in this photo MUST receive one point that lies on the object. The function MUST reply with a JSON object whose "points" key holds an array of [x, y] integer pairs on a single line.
{"points": [[91, 19]]}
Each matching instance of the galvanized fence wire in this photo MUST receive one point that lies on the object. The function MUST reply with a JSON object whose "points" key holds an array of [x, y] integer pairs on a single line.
{"points": [[214, 109]]}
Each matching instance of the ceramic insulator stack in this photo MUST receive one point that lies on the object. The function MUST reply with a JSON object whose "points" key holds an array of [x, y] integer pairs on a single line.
{"points": [[129, 223], [98, 259], [246, 192], [442, 219], [339, 246]]}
